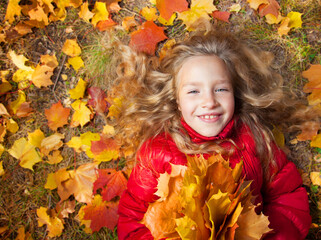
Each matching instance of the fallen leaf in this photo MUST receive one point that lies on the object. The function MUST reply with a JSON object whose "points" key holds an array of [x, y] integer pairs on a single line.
{"points": [[1, 168], [24, 110], [65, 208], [53, 142], [235, 7], [109, 130], [38, 14], [98, 100], [43, 72], [114, 109], [22, 235], [166, 47], [256, 3], [222, 16], [111, 182], [101, 214], [87, 223], [57, 116], [105, 149], [19, 60], [105, 25], [129, 22], [3, 110], [271, 19], [83, 143], [78, 182], [308, 130], [55, 157], [35, 138], [11, 125], [14, 106], [101, 13], [146, 38], [79, 90], [200, 9], [272, 7], [284, 27], [167, 8], [295, 19], [76, 63], [169, 22], [51, 182], [54, 224], [316, 141], [71, 48], [25, 152], [149, 13], [13, 9], [82, 114], [315, 178], [84, 12], [5, 86], [23, 28], [313, 74], [278, 136]]}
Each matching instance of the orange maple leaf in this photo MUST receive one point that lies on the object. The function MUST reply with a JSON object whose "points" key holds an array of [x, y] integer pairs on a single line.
{"points": [[146, 38], [112, 183], [313, 74], [223, 16], [105, 149], [101, 214], [271, 8], [105, 25], [57, 116], [167, 8]]}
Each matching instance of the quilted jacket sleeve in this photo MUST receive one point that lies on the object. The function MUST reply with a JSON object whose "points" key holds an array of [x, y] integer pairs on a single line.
{"points": [[286, 202], [140, 191]]}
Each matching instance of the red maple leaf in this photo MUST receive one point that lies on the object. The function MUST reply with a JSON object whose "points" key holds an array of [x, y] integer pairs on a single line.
{"points": [[98, 100], [166, 8], [112, 183], [271, 8], [146, 38], [101, 214], [223, 16]]}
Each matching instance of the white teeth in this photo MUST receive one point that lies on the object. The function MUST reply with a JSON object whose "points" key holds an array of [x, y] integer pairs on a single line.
{"points": [[208, 116]]}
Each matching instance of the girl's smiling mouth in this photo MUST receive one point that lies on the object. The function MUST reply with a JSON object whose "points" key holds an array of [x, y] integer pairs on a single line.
{"points": [[209, 117]]}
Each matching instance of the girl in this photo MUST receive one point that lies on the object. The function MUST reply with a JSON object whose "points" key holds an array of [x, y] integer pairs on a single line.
{"points": [[210, 94]]}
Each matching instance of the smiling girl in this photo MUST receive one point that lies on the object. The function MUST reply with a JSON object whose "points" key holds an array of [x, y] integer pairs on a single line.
{"points": [[210, 94]]}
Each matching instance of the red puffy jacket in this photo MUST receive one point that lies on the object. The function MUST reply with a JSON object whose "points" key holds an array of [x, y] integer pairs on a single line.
{"points": [[284, 199]]}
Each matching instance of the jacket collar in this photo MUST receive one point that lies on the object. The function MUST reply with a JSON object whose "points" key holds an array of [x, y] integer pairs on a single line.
{"points": [[198, 138]]}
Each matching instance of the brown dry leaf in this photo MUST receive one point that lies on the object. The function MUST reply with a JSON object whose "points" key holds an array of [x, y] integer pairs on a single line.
{"points": [[43, 72]]}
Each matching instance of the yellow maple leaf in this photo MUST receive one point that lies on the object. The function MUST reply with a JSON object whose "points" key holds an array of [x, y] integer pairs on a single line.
{"points": [[81, 115], [284, 27], [271, 19], [25, 152], [256, 3], [84, 12], [35, 138], [81, 215], [19, 61], [83, 143], [1, 149], [114, 109], [12, 126], [38, 14], [71, 48], [54, 224], [13, 9], [295, 19], [14, 106], [5, 86], [79, 90], [200, 9], [55, 157], [22, 75], [149, 13], [167, 22], [44, 70], [51, 182], [313, 74], [109, 130], [316, 141], [101, 13], [76, 63], [315, 178], [1, 169]]}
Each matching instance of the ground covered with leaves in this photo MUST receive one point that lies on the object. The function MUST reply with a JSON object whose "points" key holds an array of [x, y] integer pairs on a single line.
{"points": [[61, 170]]}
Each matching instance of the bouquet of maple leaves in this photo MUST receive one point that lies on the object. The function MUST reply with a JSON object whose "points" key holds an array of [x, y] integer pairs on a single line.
{"points": [[205, 200]]}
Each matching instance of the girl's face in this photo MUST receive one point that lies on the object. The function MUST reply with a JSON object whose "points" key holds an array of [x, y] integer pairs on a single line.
{"points": [[205, 94]]}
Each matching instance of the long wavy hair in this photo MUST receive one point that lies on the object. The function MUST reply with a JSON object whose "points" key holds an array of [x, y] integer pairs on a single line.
{"points": [[149, 89]]}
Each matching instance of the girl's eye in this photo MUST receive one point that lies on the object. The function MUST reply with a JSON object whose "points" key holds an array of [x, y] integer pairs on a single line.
{"points": [[221, 90], [192, 91]]}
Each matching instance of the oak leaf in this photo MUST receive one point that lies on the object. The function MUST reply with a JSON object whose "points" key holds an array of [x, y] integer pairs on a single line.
{"points": [[167, 8], [101, 214], [43, 72], [82, 114], [105, 149], [101, 13], [57, 116], [71, 48], [98, 100], [146, 38], [79, 90], [200, 9], [54, 223], [25, 152], [111, 182]]}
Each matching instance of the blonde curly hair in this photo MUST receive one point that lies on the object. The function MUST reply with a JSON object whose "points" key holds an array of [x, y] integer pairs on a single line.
{"points": [[149, 89]]}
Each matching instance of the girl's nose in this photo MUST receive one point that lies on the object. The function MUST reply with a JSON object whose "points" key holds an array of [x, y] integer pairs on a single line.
{"points": [[209, 101]]}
